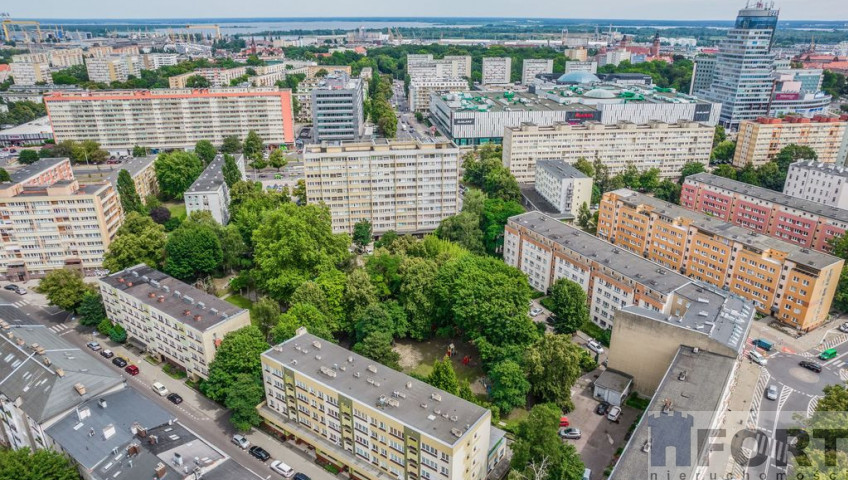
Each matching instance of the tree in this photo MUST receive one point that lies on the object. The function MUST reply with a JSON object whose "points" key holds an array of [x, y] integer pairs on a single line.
{"points": [[277, 159], [378, 347], [299, 192], [839, 247], [197, 81], [4, 175], [231, 145], [569, 306], [416, 295], [822, 458], [748, 174], [118, 334], [252, 147], [649, 179], [585, 166], [725, 170], [138, 240], [473, 201], [359, 295], [91, 310], [499, 183], [205, 151], [139, 151], [552, 365], [64, 288], [719, 136], [301, 315], [230, 170], [176, 171], [668, 191], [691, 168], [233, 248], [130, 201], [362, 233], [191, 251], [463, 229], [88, 151], [793, 153], [160, 215], [723, 152], [27, 157], [584, 217], [493, 218], [509, 385], [238, 353], [386, 317], [264, 314], [538, 438], [242, 398], [42, 464], [771, 176], [443, 376]]}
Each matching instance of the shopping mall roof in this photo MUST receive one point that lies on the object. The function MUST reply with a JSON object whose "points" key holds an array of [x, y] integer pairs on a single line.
{"points": [[506, 102]]}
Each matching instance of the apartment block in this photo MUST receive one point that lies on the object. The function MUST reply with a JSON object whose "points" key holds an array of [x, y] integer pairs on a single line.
{"points": [[30, 73], [565, 187], [312, 70], [792, 219], [423, 67], [373, 421], [463, 64], [534, 66], [50, 221], [703, 74], [65, 57], [142, 173], [581, 66], [579, 54], [171, 118], [655, 145], [759, 141], [337, 112], [168, 318], [209, 193], [405, 186], [824, 183], [154, 61], [497, 70], [217, 77], [421, 90], [793, 284]]}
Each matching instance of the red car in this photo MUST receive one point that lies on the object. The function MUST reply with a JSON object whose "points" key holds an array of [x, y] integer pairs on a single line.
{"points": [[132, 370], [563, 421]]}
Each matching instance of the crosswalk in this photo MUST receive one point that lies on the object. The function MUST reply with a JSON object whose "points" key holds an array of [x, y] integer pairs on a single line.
{"points": [[20, 303], [833, 342], [61, 328]]}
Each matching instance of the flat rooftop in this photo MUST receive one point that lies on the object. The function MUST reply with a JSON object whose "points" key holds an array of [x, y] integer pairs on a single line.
{"points": [[634, 267], [695, 383], [796, 253], [369, 383], [165, 293], [611, 93], [825, 168], [133, 166], [39, 126], [560, 169], [211, 179], [806, 206], [507, 101], [34, 169]]}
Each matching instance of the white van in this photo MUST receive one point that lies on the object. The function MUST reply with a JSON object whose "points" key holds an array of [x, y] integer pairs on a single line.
{"points": [[758, 358]]}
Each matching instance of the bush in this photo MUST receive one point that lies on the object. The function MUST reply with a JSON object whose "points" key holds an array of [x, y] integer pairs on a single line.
{"points": [[172, 224], [105, 327], [160, 215]]}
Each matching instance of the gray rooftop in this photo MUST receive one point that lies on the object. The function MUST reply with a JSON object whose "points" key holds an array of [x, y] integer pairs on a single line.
{"points": [[560, 169], [133, 166], [705, 377], [368, 382], [613, 380], [34, 127], [800, 204], [495, 101], [721, 315], [176, 297], [211, 179], [634, 267], [826, 168], [338, 81], [42, 369], [798, 254], [28, 171]]}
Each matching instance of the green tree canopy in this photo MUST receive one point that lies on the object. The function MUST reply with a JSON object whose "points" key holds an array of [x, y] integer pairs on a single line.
{"points": [[418, 276], [176, 171], [139, 151], [231, 145], [243, 396], [130, 201], [205, 151], [726, 171], [197, 81], [238, 353], [464, 230], [493, 218], [552, 366], [253, 146], [91, 310], [191, 251], [43, 464], [723, 152], [538, 438], [569, 306], [230, 170], [64, 288], [362, 233], [27, 157], [509, 385], [264, 314], [138, 240], [668, 191], [4, 175], [378, 347], [691, 168], [302, 315]]}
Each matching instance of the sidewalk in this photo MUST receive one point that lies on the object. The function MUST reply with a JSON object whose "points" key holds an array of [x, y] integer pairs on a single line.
{"points": [[813, 340]]}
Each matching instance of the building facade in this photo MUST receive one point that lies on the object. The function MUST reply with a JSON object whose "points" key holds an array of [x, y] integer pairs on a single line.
{"points": [[217, 77], [759, 141], [375, 421], [795, 220], [534, 66], [420, 91], [823, 183], [581, 66], [497, 70], [405, 186], [171, 118], [565, 187], [50, 221], [337, 109], [656, 145], [423, 67], [114, 68], [209, 193], [143, 174], [703, 73], [31, 73], [793, 284], [155, 61], [168, 318]]}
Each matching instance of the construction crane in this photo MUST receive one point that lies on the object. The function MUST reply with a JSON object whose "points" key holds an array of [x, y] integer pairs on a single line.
{"points": [[7, 22], [206, 27]]}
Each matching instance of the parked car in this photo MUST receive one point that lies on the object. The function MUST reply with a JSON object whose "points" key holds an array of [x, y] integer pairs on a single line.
{"points": [[614, 414], [259, 453], [570, 433], [301, 476], [595, 346], [160, 389], [844, 327], [763, 343], [536, 311], [587, 474], [16, 288], [563, 421], [131, 369], [811, 366], [93, 345], [757, 358], [175, 398], [107, 353], [771, 392], [282, 468], [241, 441], [119, 362], [602, 408]]}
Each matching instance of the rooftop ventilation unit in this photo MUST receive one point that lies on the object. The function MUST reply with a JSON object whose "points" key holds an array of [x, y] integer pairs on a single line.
{"points": [[317, 345], [435, 396], [372, 369], [328, 372]]}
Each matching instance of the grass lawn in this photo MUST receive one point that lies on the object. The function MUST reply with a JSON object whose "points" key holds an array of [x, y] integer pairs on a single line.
{"points": [[178, 209], [418, 358], [514, 418], [240, 301]]}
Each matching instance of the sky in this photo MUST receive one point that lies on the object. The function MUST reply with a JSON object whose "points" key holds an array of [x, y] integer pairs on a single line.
{"points": [[624, 9]]}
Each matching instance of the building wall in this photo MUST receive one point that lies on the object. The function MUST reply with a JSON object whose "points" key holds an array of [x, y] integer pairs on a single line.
{"points": [[759, 142], [496, 70], [566, 194], [337, 112], [421, 90], [215, 202], [581, 66], [31, 73], [534, 66], [818, 183]]}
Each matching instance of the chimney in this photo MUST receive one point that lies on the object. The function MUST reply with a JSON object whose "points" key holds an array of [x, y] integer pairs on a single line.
{"points": [[60, 372], [80, 388], [151, 295], [160, 471], [198, 318], [161, 299]]}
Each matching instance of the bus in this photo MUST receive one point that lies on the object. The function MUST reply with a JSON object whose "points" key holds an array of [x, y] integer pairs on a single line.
{"points": [[828, 354]]}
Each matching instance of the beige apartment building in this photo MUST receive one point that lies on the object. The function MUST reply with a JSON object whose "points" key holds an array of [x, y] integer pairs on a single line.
{"points": [[420, 91], [170, 118], [792, 283], [375, 422], [30, 73], [563, 186], [312, 70], [759, 141], [66, 57], [425, 67], [143, 174], [405, 186], [114, 68], [171, 319], [217, 77], [50, 221], [497, 70], [666, 146]]}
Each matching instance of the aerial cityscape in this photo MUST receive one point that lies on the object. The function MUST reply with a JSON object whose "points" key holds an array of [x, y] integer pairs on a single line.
{"points": [[411, 242]]}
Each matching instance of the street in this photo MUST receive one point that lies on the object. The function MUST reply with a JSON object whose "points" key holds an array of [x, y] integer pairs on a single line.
{"points": [[196, 412]]}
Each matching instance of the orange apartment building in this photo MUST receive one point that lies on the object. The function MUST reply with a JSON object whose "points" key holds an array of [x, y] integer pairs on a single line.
{"points": [[792, 283]]}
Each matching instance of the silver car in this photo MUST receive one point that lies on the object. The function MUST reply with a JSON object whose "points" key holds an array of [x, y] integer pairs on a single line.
{"points": [[771, 392], [571, 433]]}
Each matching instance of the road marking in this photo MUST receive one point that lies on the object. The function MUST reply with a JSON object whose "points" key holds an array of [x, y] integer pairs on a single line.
{"points": [[785, 392], [58, 327], [811, 407]]}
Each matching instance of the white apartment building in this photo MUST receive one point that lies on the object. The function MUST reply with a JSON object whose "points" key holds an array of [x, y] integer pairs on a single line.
{"points": [[217, 77], [584, 66], [612, 57], [171, 319], [565, 187], [655, 145], [405, 186], [209, 193], [154, 61], [759, 141], [420, 91], [451, 67], [462, 62], [31, 73], [376, 422], [824, 183], [50, 221], [66, 57], [534, 66], [114, 68], [497, 70], [170, 118], [579, 54]]}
